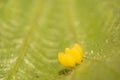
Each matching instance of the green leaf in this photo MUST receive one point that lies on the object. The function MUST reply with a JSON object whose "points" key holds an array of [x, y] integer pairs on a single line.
{"points": [[32, 32]]}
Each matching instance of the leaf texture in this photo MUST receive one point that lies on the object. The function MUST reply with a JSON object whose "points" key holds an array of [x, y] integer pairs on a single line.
{"points": [[32, 32]]}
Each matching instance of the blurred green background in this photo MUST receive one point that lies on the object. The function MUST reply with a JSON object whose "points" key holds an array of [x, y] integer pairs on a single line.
{"points": [[32, 32]]}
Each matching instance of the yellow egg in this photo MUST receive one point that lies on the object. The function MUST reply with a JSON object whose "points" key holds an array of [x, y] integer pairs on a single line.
{"points": [[66, 60], [71, 57]]}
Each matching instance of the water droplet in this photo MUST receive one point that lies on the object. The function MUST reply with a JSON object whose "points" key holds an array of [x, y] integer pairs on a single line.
{"points": [[86, 52], [106, 41], [12, 55], [12, 60], [76, 23], [91, 51]]}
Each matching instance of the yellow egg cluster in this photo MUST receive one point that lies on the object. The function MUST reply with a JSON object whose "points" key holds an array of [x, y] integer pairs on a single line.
{"points": [[71, 57]]}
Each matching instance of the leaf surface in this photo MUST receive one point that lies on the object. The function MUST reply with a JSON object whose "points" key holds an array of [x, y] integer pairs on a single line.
{"points": [[32, 32]]}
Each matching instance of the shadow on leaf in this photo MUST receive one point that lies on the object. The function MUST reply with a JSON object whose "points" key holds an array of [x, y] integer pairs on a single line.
{"points": [[65, 71]]}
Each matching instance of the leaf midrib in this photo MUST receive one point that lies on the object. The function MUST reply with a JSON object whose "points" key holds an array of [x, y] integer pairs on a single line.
{"points": [[71, 17]]}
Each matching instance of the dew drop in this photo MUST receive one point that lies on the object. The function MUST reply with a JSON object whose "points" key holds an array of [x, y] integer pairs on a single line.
{"points": [[91, 52], [106, 41], [76, 23]]}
